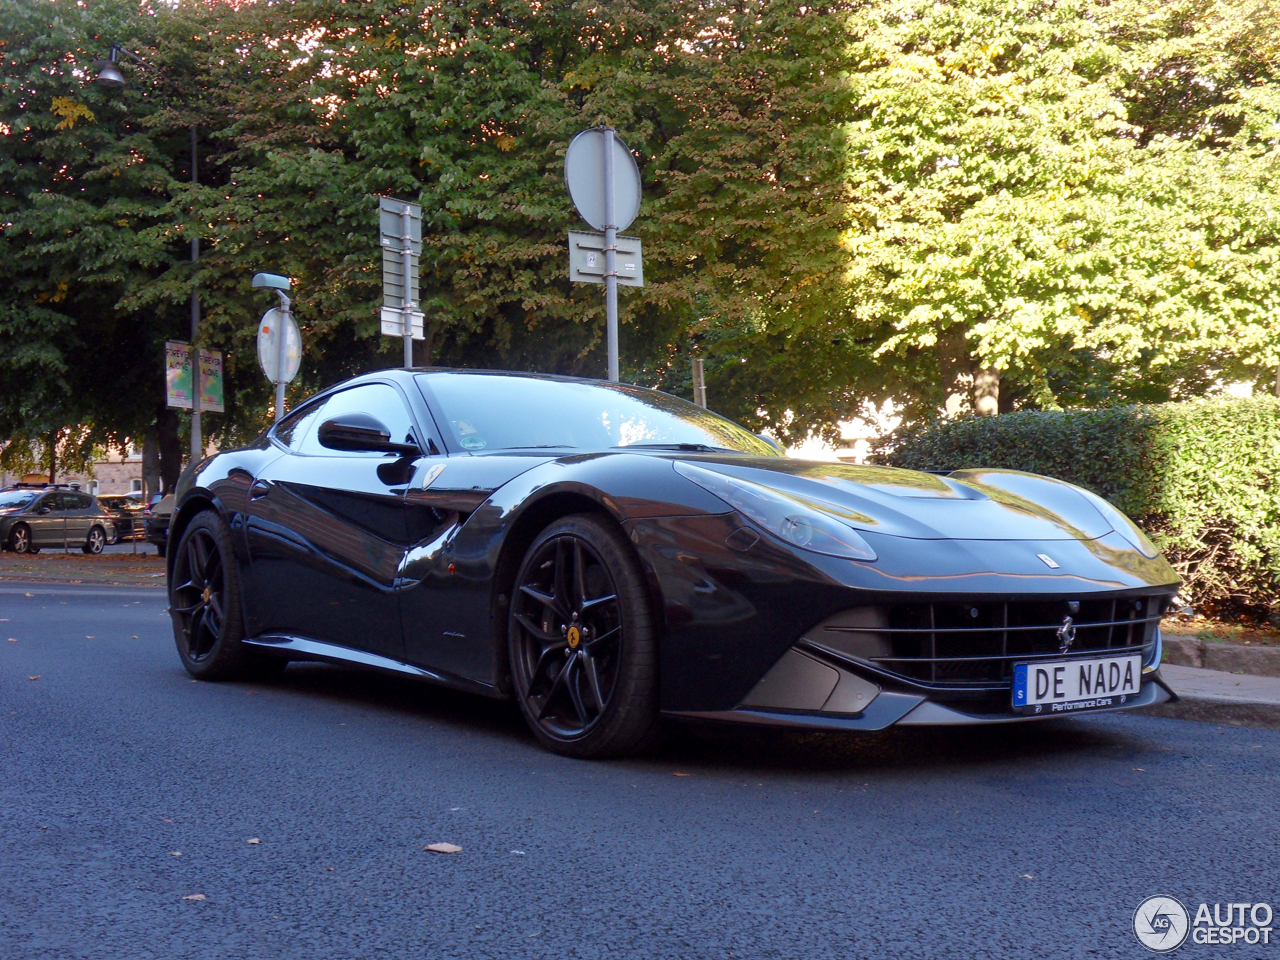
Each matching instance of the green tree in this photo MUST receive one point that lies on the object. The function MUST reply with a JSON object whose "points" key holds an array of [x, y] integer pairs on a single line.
{"points": [[1079, 194]]}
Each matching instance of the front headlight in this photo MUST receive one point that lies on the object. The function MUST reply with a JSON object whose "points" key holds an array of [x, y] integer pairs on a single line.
{"points": [[799, 524], [1123, 526]]}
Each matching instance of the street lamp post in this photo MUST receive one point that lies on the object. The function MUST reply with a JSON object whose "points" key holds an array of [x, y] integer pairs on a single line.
{"points": [[109, 76]]}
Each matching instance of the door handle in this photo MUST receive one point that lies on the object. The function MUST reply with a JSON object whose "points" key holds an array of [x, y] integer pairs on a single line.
{"points": [[258, 489]]}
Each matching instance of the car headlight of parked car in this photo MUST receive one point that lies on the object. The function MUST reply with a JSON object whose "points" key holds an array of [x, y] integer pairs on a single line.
{"points": [[791, 520]]}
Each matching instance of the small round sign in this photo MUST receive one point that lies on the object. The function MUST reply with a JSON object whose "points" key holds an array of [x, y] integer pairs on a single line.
{"points": [[269, 327], [584, 177]]}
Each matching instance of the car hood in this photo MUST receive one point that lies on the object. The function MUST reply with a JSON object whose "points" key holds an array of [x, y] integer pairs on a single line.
{"points": [[964, 505]]}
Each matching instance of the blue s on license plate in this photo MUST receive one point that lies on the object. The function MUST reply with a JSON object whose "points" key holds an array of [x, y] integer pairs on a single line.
{"points": [[1069, 686]]}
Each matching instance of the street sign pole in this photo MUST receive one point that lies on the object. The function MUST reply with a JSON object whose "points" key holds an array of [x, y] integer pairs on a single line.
{"points": [[699, 383], [274, 354], [408, 305], [604, 183], [610, 257], [281, 354]]}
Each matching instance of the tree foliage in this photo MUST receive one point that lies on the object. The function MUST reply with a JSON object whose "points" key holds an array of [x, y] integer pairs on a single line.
{"points": [[1079, 193], [842, 202]]}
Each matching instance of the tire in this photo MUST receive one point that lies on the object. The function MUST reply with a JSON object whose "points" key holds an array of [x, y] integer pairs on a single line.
{"points": [[204, 602], [96, 542], [20, 539], [581, 642]]}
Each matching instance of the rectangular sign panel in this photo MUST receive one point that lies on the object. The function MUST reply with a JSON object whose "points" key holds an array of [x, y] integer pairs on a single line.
{"points": [[177, 378], [586, 259], [391, 227], [393, 323], [393, 278]]}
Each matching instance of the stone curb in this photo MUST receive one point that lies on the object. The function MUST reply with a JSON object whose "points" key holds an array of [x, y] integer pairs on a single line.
{"points": [[1227, 657], [1209, 709]]}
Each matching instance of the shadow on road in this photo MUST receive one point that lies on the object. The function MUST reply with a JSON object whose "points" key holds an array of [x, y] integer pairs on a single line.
{"points": [[723, 748]]}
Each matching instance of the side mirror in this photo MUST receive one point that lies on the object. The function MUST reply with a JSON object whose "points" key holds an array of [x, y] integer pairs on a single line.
{"points": [[43, 510], [359, 431]]}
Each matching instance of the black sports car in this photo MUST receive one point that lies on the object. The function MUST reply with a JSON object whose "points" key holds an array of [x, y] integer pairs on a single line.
{"points": [[607, 554]]}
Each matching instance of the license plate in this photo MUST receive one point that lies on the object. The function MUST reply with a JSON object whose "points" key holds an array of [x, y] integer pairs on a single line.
{"points": [[1069, 686]]}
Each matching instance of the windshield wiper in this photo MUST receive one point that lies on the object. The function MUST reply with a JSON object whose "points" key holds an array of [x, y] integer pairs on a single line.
{"points": [[691, 447]]}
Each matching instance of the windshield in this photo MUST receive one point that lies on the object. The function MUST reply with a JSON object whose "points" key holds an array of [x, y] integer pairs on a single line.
{"points": [[495, 412], [16, 498]]}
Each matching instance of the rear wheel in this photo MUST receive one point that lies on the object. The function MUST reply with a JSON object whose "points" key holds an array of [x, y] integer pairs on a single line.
{"points": [[204, 601], [96, 541], [583, 653]]}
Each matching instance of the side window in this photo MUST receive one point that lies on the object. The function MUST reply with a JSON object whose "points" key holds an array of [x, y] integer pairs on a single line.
{"points": [[51, 500], [376, 399], [74, 501], [293, 427]]}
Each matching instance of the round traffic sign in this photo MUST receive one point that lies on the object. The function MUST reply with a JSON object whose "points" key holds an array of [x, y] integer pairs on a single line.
{"points": [[269, 328], [584, 177]]}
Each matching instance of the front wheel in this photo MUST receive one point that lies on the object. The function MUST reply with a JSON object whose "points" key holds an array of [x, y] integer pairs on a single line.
{"points": [[20, 539], [96, 542], [581, 641], [204, 601]]}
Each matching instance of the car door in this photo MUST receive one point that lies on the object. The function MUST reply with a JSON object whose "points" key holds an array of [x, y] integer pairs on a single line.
{"points": [[326, 530], [46, 521], [77, 517]]}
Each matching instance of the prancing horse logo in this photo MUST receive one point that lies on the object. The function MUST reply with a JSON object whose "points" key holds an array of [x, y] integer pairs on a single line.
{"points": [[1066, 634]]}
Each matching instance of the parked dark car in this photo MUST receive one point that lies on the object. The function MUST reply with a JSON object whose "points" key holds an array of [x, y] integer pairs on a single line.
{"points": [[604, 554], [158, 513], [127, 511], [33, 518]]}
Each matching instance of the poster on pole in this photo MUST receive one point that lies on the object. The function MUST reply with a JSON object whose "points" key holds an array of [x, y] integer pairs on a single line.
{"points": [[177, 378]]}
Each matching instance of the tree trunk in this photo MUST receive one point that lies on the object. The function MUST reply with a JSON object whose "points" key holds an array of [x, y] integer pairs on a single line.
{"points": [[422, 348], [986, 392], [53, 455], [150, 466], [170, 449]]}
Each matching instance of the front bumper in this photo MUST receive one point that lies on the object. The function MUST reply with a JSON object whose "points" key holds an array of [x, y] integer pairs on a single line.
{"points": [[891, 709]]}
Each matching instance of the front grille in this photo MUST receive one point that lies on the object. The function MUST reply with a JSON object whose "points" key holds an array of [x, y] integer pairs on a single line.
{"points": [[975, 644]]}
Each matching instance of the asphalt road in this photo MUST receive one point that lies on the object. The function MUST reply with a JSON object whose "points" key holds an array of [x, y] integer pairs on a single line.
{"points": [[126, 787]]}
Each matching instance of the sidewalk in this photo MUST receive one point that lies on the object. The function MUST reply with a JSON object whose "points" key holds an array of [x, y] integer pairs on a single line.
{"points": [[1218, 697], [56, 566]]}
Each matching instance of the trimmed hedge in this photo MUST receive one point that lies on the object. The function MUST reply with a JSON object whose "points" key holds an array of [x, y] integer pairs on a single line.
{"points": [[1202, 478]]}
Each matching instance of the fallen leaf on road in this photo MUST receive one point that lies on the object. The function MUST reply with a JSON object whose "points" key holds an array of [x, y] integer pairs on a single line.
{"points": [[175, 853], [194, 896], [91, 638], [680, 774], [518, 853], [251, 693], [1027, 876], [254, 840], [330, 869], [166, 820], [13, 639], [133, 638], [1139, 769], [28, 594], [443, 848], [36, 677]]}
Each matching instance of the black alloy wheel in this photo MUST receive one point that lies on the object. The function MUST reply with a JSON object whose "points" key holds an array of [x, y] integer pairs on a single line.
{"points": [[20, 539], [96, 542], [204, 602], [583, 657]]}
